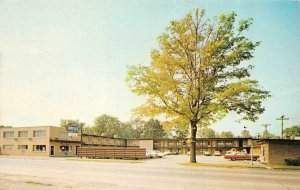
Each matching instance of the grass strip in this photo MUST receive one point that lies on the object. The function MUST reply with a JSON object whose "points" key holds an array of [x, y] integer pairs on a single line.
{"points": [[221, 165], [284, 167], [105, 160]]}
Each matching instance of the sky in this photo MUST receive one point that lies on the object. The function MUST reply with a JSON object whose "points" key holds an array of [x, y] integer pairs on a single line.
{"points": [[68, 59]]}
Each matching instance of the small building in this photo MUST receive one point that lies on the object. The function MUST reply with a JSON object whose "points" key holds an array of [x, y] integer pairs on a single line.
{"points": [[276, 151]]}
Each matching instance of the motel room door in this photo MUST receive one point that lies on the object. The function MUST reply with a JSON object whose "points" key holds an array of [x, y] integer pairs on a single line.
{"points": [[52, 151]]}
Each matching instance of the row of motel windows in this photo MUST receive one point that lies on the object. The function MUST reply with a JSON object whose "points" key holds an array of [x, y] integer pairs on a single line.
{"points": [[23, 134], [36, 148], [90, 139], [199, 143]]}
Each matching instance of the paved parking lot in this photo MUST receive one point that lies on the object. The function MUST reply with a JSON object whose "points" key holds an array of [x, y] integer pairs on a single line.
{"points": [[221, 160], [28, 173]]}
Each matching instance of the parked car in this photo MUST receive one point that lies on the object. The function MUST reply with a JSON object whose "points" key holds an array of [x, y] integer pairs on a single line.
{"points": [[206, 153], [167, 153], [229, 152], [152, 154], [217, 153], [159, 154], [240, 156]]}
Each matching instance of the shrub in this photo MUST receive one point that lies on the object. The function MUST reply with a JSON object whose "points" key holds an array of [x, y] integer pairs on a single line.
{"points": [[293, 161]]}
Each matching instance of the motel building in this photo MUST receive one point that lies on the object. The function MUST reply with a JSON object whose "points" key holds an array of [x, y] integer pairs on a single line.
{"points": [[56, 141], [50, 141]]}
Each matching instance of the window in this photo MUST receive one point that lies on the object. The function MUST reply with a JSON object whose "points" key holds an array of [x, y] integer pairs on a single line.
{"points": [[23, 133], [22, 147], [229, 143], [39, 148], [65, 148], [221, 143], [8, 147], [9, 134], [40, 133]]}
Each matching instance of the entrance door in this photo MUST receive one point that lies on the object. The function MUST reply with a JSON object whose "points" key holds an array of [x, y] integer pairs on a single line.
{"points": [[240, 143], [76, 150], [52, 151]]}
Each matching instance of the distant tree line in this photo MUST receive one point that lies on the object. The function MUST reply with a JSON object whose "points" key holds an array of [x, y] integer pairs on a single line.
{"points": [[106, 125], [110, 126]]}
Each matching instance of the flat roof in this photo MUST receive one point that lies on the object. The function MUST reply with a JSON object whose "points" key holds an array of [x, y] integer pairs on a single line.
{"points": [[278, 141]]}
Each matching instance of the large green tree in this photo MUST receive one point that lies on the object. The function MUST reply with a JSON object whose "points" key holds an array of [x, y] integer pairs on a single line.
{"points": [[196, 74], [206, 132], [153, 130], [138, 127], [267, 135], [106, 125], [126, 131], [226, 134], [292, 132], [245, 134]]}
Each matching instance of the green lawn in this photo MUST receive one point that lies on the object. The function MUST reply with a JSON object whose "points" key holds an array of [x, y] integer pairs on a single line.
{"points": [[284, 167]]}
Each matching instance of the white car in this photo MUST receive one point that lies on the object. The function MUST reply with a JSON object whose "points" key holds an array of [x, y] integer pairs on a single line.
{"points": [[229, 152], [148, 155], [153, 154], [159, 154], [207, 153], [167, 153], [217, 153]]}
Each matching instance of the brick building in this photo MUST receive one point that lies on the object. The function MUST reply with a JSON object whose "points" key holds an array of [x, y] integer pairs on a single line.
{"points": [[275, 151]]}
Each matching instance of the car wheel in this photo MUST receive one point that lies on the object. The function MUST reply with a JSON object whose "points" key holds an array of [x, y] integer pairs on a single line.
{"points": [[254, 159], [233, 159]]}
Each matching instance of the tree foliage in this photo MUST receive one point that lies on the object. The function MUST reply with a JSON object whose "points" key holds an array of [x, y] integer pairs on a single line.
{"points": [[153, 130], [206, 132], [267, 135], [245, 134], [66, 123], [226, 134], [196, 75], [292, 132], [106, 125]]}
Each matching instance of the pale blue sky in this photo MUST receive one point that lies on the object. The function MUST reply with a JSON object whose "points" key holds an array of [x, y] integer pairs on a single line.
{"points": [[68, 59]]}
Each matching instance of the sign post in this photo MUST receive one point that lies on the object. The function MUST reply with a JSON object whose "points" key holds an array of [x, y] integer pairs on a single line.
{"points": [[251, 153]]}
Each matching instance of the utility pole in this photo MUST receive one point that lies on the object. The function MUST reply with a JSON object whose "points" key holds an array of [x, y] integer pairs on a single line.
{"points": [[266, 129], [282, 118], [266, 126]]}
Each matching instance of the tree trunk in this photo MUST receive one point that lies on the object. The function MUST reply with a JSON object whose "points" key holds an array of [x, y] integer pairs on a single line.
{"points": [[193, 142]]}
